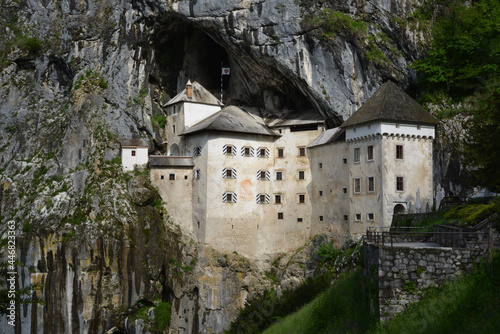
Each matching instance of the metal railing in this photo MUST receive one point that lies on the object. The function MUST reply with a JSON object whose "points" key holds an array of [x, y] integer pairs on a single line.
{"points": [[389, 236]]}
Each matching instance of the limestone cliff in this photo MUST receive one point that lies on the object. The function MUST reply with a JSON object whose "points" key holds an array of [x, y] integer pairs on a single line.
{"points": [[76, 77]]}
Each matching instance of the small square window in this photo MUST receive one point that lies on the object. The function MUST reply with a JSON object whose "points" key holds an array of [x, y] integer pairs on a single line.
{"points": [[280, 215], [133, 153], [229, 198], [277, 199], [358, 216], [346, 217], [299, 220], [320, 193], [371, 216], [301, 175], [344, 161], [262, 198], [171, 177], [399, 152], [162, 177], [369, 153], [281, 153], [262, 152], [320, 218], [229, 150], [320, 165], [229, 173], [262, 175], [344, 190], [246, 151], [302, 151], [302, 199], [185, 177], [279, 175], [356, 155]]}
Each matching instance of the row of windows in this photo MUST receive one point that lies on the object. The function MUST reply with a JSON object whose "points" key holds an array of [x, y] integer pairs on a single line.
{"points": [[370, 185], [369, 154], [231, 197], [262, 175], [261, 152]]}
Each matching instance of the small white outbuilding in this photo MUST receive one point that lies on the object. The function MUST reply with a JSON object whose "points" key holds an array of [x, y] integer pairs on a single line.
{"points": [[134, 153]]}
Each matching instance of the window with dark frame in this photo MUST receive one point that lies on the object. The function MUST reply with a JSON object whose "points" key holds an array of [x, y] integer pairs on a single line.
{"points": [[344, 161], [399, 152], [299, 220], [302, 199], [279, 175], [281, 153], [247, 151], [344, 190], [229, 150], [320, 165], [229, 198], [369, 153], [371, 184], [171, 177], [262, 152], [277, 199], [162, 177], [133, 153], [358, 216], [262, 198], [400, 183], [280, 215], [371, 216], [357, 185], [320, 218], [356, 155], [229, 173], [301, 175], [320, 193], [302, 151], [346, 217]]}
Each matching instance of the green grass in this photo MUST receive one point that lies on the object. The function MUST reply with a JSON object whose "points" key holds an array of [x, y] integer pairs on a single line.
{"points": [[343, 308]]}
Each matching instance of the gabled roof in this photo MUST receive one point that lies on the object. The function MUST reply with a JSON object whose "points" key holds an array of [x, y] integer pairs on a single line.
{"points": [[200, 95], [328, 136], [135, 142], [232, 119], [390, 103]]}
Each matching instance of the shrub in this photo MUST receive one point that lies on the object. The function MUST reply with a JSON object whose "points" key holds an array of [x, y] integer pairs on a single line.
{"points": [[162, 314]]}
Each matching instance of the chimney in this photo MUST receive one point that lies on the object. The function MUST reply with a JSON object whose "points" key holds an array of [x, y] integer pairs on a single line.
{"points": [[189, 89]]}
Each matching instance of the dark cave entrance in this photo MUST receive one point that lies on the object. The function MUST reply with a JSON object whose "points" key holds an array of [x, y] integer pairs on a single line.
{"points": [[185, 51]]}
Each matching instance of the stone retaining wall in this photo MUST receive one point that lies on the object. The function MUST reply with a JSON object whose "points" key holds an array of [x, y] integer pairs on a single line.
{"points": [[403, 273]]}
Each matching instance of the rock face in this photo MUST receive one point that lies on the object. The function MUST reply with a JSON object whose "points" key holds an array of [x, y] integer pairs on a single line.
{"points": [[76, 78]]}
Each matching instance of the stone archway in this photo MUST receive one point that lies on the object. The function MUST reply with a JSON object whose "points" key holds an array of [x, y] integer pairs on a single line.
{"points": [[174, 151], [399, 209]]}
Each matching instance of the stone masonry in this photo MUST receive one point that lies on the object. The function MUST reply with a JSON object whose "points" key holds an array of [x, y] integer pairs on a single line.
{"points": [[404, 272]]}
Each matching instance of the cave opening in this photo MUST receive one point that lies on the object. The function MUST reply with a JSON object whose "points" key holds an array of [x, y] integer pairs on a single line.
{"points": [[187, 52]]}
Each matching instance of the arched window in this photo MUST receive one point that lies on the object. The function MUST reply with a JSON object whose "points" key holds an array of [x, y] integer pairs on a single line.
{"points": [[174, 150]]}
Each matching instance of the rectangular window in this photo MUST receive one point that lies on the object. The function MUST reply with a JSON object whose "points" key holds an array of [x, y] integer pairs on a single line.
{"points": [[369, 153], [302, 151], [185, 177], [281, 152], [263, 175], [229, 173], [171, 177], [320, 165], [357, 216], [277, 199], [344, 190], [400, 183], [279, 175], [280, 215], [302, 199], [357, 185], [320, 218], [299, 220], [371, 184], [197, 151], [229, 197], [346, 217], [263, 152], [344, 161], [320, 193], [247, 151], [301, 175], [229, 150], [133, 153], [173, 128], [356, 155], [371, 217], [162, 177], [399, 152], [262, 199]]}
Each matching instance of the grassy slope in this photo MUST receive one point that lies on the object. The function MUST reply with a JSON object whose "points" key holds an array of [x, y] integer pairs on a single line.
{"points": [[469, 305]]}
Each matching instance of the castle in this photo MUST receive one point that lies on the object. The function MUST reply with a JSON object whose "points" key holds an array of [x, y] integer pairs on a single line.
{"points": [[259, 183]]}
